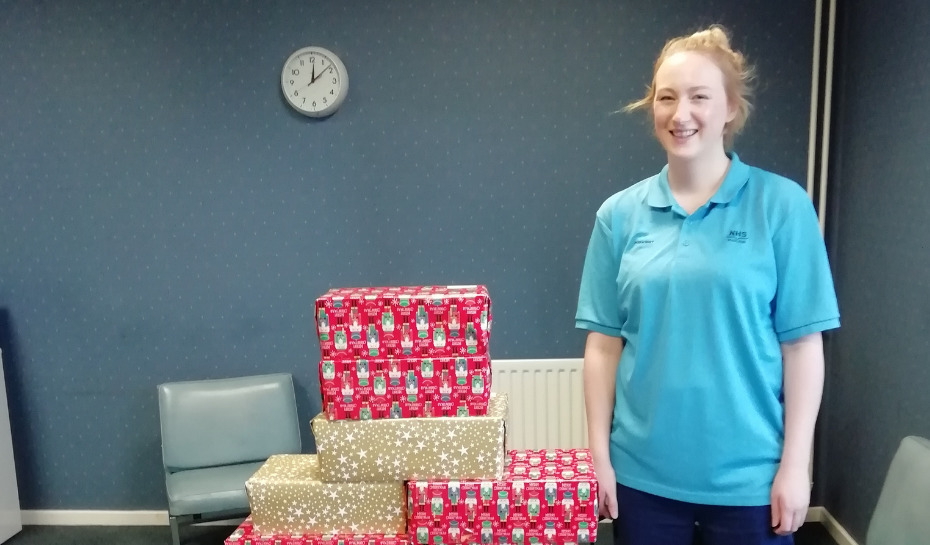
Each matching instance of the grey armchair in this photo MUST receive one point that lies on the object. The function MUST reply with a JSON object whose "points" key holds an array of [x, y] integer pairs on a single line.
{"points": [[215, 435], [902, 515]]}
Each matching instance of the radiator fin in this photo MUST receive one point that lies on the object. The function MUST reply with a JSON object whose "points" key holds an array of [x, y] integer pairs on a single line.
{"points": [[546, 402]]}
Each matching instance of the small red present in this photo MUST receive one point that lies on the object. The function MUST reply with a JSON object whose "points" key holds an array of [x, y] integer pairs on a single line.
{"points": [[372, 389], [546, 496], [407, 321]]}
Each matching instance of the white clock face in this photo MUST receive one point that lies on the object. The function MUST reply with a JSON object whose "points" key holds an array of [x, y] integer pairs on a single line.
{"points": [[314, 81]]}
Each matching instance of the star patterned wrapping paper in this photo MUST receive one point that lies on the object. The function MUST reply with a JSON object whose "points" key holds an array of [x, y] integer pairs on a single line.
{"points": [[546, 496], [404, 321], [245, 534], [376, 388], [413, 448], [287, 497]]}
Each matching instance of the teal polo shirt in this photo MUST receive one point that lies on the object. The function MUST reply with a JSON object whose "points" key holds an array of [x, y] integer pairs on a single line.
{"points": [[703, 301]]}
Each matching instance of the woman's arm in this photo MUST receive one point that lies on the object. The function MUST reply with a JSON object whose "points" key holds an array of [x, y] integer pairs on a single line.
{"points": [[601, 358], [803, 387]]}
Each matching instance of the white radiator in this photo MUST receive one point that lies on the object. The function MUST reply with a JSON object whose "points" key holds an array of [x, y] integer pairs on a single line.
{"points": [[546, 402]]}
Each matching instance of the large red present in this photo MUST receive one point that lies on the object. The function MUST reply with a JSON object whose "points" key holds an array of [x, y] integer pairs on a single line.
{"points": [[545, 496], [367, 389], [245, 534], [411, 321]]}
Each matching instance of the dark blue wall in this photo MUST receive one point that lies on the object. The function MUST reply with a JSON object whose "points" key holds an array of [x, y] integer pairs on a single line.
{"points": [[878, 384], [165, 216]]}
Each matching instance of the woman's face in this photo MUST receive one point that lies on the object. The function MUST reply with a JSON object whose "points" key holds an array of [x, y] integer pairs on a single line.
{"points": [[690, 107]]}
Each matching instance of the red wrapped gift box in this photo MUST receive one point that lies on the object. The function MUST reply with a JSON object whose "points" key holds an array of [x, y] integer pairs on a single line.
{"points": [[245, 535], [545, 496], [366, 389], [407, 321]]}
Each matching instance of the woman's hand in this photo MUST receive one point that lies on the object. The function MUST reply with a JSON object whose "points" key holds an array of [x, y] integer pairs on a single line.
{"points": [[791, 495], [606, 490]]}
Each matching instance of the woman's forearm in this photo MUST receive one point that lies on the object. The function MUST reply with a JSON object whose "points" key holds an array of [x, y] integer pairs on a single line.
{"points": [[601, 359], [803, 386]]}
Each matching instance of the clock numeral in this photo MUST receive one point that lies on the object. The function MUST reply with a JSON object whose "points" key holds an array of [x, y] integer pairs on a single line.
{"points": [[332, 91], [324, 100], [335, 81], [313, 104], [295, 72], [295, 93], [292, 82]]}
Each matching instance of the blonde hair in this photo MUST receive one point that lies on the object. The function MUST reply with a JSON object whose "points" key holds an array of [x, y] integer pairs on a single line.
{"points": [[738, 75]]}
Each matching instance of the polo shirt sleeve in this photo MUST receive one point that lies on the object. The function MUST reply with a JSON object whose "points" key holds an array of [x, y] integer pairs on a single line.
{"points": [[598, 302], [805, 299]]}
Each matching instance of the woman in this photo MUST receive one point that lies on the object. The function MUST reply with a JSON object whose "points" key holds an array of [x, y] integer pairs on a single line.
{"points": [[704, 293]]}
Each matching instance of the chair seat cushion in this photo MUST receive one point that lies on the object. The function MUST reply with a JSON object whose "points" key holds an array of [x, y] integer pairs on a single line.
{"points": [[209, 489]]}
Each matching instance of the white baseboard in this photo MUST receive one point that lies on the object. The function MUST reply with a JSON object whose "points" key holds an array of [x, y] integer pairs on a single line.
{"points": [[56, 517], [839, 534]]}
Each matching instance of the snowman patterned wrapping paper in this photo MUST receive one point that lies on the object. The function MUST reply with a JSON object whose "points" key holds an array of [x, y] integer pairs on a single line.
{"points": [[404, 321], [546, 497]]}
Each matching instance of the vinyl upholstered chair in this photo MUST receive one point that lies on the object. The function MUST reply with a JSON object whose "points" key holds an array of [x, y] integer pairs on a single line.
{"points": [[215, 434], [902, 515]]}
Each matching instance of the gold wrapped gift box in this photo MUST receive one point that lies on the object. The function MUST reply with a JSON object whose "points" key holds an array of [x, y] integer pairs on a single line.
{"points": [[413, 448], [287, 496]]}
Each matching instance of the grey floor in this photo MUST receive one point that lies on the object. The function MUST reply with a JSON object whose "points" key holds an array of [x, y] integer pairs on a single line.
{"points": [[810, 534]]}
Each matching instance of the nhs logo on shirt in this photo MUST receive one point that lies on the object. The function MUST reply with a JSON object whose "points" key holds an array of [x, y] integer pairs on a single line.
{"points": [[737, 236]]}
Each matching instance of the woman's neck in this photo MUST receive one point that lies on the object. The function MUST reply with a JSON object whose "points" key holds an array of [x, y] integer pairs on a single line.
{"points": [[697, 176]]}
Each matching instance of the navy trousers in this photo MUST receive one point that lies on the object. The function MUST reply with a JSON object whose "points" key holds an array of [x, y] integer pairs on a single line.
{"points": [[646, 519]]}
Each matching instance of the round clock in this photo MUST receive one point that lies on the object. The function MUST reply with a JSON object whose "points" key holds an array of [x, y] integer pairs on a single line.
{"points": [[314, 81]]}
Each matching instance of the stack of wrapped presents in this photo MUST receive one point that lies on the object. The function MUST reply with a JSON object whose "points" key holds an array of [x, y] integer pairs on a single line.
{"points": [[411, 444]]}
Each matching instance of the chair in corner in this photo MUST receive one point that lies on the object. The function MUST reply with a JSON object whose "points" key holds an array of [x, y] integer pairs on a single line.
{"points": [[214, 435], [901, 516]]}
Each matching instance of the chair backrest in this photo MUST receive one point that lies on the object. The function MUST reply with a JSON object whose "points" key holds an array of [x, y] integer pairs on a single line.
{"points": [[206, 423], [902, 515]]}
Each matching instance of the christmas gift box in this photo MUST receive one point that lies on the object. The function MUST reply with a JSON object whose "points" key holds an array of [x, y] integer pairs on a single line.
{"points": [[376, 388], [287, 496], [413, 448], [411, 321], [245, 534], [546, 496]]}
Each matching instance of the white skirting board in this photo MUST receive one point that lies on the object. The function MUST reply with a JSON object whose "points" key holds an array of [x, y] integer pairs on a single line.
{"points": [[53, 517], [836, 530]]}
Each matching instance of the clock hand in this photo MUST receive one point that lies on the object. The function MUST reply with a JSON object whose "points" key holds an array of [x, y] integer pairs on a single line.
{"points": [[312, 74], [313, 79]]}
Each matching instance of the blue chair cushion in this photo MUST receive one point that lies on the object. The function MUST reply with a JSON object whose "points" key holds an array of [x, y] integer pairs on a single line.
{"points": [[209, 489]]}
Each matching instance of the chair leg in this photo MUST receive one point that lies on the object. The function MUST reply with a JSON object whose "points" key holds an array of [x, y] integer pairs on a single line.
{"points": [[175, 533]]}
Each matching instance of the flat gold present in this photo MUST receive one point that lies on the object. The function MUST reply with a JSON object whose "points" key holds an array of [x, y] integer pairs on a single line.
{"points": [[467, 447], [287, 497]]}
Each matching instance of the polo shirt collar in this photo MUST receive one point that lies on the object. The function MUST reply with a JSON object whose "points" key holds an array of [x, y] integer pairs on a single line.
{"points": [[660, 194]]}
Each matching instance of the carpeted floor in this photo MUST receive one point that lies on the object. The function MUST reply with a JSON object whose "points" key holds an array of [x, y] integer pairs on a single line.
{"points": [[810, 534]]}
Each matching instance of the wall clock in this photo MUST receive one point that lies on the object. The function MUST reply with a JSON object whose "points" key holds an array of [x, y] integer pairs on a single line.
{"points": [[314, 81]]}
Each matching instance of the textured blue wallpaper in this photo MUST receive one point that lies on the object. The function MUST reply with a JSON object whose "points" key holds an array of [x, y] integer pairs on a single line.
{"points": [[165, 216], [879, 377]]}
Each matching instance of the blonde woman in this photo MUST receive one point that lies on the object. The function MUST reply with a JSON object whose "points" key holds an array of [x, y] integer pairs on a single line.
{"points": [[704, 293]]}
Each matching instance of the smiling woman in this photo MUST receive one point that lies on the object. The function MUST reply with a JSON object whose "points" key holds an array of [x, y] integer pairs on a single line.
{"points": [[704, 292]]}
